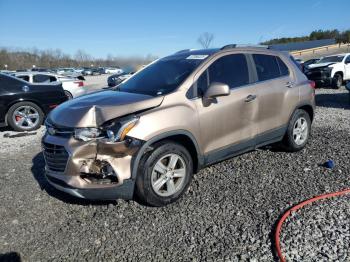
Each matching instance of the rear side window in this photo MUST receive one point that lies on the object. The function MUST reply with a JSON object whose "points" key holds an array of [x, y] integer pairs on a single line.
{"points": [[53, 79], [231, 70], [266, 67], [41, 79], [284, 71]]}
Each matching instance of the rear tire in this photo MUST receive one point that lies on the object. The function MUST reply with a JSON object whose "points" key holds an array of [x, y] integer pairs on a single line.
{"points": [[337, 81], [68, 94], [164, 174], [25, 116], [298, 131]]}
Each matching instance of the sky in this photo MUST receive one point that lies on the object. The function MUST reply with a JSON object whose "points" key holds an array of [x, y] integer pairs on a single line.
{"points": [[155, 27]]}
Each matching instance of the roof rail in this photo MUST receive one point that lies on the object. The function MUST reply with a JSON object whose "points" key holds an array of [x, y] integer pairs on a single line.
{"points": [[184, 50], [243, 45]]}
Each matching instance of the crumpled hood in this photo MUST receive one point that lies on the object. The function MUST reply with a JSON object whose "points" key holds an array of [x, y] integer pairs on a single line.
{"points": [[320, 65], [94, 109]]}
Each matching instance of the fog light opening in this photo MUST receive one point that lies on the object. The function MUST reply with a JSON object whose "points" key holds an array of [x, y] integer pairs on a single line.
{"points": [[100, 172]]}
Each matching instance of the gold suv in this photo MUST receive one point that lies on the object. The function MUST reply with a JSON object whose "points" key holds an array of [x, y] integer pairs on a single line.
{"points": [[176, 116]]}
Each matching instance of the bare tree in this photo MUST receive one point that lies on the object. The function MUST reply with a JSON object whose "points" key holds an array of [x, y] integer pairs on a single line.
{"points": [[14, 58], [83, 58], [205, 39]]}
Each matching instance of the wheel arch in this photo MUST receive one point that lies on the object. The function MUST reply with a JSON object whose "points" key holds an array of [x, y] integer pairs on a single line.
{"points": [[309, 109], [69, 92], [339, 73], [182, 137]]}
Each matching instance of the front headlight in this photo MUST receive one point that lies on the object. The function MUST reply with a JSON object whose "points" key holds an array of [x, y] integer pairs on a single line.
{"points": [[123, 130], [326, 69], [87, 134]]}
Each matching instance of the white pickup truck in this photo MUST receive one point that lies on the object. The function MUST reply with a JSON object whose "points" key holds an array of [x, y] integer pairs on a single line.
{"points": [[330, 70]]}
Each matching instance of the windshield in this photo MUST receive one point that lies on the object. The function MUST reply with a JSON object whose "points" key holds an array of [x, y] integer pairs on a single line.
{"points": [[330, 59], [161, 77]]}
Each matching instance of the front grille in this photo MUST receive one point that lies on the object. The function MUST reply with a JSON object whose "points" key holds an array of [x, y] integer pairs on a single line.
{"points": [[56, 157], [58, 131], [314, 75], [318, 72]]}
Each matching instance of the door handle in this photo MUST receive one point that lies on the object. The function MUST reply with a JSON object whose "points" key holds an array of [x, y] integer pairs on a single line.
{"points": [[289, 84], [250, 98]]}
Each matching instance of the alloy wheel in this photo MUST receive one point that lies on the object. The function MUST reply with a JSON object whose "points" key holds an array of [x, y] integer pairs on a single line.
{"points": [[300, 131], [26, 117], [168, 175]]}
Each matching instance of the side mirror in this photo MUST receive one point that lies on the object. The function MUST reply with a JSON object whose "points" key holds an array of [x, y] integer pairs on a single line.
{"points": [[217, 89]]}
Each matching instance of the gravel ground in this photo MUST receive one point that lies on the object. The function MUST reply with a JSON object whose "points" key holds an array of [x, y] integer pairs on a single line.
{"points": [[228, 213], [319, 232]]}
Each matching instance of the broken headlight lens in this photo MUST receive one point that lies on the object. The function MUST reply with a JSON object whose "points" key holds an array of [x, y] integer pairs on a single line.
{"points": [[87, 134], [122, 131]]}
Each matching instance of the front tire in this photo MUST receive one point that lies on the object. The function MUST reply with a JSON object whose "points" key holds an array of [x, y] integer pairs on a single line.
{"points": [[164, 174], [337, 81], [25, 116], [298, 131]]}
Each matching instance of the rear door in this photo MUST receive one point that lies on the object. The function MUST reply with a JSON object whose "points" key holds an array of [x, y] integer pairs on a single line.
{"points": [[277, 94], [227, 124]]}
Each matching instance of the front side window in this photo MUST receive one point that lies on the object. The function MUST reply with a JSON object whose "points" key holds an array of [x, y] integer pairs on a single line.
{"points": [[25, 78], [347, 61], [231, 70], [202, 83], [266, 67]]}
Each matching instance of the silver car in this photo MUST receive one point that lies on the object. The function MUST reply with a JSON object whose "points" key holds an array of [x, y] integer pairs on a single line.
{"points": [[69, 72], [73, 87]]}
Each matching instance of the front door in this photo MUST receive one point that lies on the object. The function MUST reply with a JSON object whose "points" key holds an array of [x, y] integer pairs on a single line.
{"points": [[227, 123], [347, 68]]}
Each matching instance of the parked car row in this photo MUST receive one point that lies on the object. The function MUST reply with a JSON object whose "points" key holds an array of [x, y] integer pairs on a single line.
{"points": [[78, 72], [97, 70], [73, 87], [333, 70], [27, 96]]}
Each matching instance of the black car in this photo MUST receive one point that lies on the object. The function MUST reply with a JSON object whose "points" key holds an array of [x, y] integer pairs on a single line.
{"points": [[23, 105]]}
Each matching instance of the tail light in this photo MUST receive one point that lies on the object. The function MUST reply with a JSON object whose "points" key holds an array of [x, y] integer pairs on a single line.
{"points": [[312, 84], [80, 83]]}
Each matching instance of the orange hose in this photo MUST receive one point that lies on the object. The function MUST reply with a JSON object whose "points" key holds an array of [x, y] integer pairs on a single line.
{"points": [[295, 208]]}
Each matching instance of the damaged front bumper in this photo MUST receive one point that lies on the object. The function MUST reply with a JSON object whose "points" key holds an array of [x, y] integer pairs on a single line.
{"points": [[96, 170]]}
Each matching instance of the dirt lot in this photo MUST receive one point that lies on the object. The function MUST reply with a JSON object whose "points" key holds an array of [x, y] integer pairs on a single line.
{"points": [[229, 212]]}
